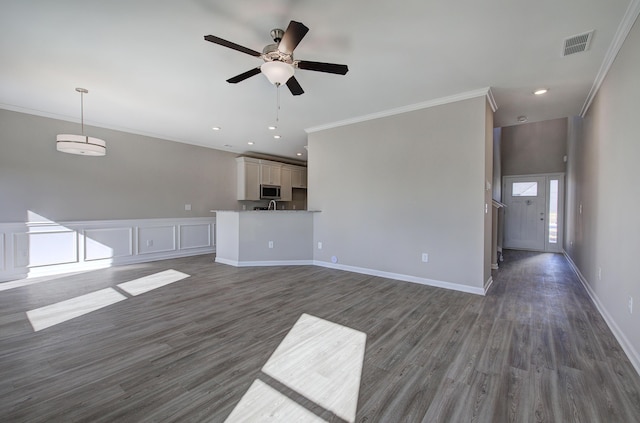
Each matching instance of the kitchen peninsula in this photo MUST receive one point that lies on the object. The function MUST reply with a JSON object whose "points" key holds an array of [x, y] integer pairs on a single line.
{"points": [[264, 238]]}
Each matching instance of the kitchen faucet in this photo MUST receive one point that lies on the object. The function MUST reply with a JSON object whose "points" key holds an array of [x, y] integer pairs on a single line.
{"points": [[275, 205]]}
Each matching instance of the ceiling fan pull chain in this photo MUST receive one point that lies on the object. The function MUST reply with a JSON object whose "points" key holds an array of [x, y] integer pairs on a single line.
{"points": [[277, 103]]}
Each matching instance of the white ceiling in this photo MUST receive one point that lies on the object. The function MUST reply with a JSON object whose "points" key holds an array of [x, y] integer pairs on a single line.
{"points": [[149, 71]]}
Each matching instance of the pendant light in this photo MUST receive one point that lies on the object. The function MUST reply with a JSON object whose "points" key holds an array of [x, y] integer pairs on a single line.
{"points": [[81, 144]]}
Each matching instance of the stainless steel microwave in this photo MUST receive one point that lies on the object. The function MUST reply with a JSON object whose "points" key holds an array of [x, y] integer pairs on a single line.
{"points": [[270, 192]]}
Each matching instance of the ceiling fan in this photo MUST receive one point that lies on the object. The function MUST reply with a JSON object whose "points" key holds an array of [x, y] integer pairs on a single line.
{"points": [[279, 63]]}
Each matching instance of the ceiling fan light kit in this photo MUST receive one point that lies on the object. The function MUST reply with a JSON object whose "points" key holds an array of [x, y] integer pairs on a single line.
{"points": [[278, 73], [81, 144]]}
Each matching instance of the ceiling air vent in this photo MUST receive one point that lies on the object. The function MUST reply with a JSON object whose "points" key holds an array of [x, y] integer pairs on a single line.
{"points": [[577, 43]]}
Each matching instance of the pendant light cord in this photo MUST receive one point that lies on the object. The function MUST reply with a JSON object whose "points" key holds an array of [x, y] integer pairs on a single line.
{"points": [[82, 111]]}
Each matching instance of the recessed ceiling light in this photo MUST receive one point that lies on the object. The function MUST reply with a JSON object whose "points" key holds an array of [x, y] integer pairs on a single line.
{"points": [[250, 143], [277, 137], [216, 128], [298, 154], [522, 118], [540, 91], [228, 146], [272, 128]]}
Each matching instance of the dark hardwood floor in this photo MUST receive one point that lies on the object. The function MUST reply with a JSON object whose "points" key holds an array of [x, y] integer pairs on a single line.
{"points": [[535, 349]]}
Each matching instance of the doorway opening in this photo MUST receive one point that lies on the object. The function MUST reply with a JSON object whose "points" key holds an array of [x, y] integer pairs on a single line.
{"points": [[534, 215]]}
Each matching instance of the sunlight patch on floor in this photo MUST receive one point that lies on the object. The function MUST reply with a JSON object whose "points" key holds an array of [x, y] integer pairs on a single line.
{"points": [[51, 315], [319, 360], [151, 282], [262, 403]]}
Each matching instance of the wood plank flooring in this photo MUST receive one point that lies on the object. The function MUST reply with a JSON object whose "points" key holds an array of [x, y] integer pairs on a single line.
{"points": [[535, 349]]}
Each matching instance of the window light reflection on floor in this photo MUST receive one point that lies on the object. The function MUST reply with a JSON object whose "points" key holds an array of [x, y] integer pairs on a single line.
{"points": [[319, 360]]}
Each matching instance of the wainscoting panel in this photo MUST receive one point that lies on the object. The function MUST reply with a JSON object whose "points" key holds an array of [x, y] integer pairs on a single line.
{"points": [[156, 239], [107, 243], [46, 248], [34, 249], [195, 236]]}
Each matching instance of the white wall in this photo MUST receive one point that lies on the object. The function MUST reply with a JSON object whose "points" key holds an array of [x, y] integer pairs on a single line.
{"points": [[140, 177], [392, 188], [603, 178]]}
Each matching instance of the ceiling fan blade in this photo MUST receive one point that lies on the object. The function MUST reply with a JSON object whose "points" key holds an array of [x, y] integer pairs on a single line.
{"points": [[229, 44], [243, 76], [292, 36], [323, 67], [294, 86]]}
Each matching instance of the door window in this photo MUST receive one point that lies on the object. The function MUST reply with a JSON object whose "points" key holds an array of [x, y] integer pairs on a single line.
{"points": [[524, 189]]}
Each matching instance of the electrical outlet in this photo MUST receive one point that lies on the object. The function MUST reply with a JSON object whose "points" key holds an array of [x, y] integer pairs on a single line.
{"points": [[187, 207], [425, 257], [270, 244], [630, 304], [319, 245], [149, 243]]}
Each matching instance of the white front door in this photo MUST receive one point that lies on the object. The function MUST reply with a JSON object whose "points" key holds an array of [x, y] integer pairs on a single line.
{"points": [[525, 214]]}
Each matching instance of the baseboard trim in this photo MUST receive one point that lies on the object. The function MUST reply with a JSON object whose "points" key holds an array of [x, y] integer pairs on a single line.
{"points": [[632, 354], [264, 263], [401, 277], [488, 284]]}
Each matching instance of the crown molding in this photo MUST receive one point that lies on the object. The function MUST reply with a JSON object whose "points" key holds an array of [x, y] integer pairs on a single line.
{"points": [[483, 92], [629, 18]]}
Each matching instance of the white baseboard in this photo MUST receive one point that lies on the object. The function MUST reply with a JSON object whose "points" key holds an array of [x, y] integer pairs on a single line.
{"points": [[632, 354], [488, 284], [236, 263], [401, 277]]}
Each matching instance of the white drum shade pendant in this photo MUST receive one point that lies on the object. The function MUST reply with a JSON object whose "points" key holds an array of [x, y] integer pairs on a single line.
{"points": [[81, 144]]}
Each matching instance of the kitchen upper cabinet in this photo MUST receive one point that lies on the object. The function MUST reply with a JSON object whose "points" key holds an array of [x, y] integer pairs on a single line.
{"points": [[285, 187], [298, 177], [270, 172], [248, 178]]}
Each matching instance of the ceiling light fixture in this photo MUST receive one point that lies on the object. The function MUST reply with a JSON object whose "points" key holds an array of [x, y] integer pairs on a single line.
{"points": [[216, 128], [298, 154], [277, 137], [541, 91], [272, 128], [522, 118], [277, 72], [81, 144], [250, 143]]}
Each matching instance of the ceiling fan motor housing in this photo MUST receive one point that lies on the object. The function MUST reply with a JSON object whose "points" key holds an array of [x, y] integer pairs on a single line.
{"points": [[271, 53]]}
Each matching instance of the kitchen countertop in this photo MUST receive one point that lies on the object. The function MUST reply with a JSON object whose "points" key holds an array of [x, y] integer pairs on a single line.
{"points": [[265, 211]]}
